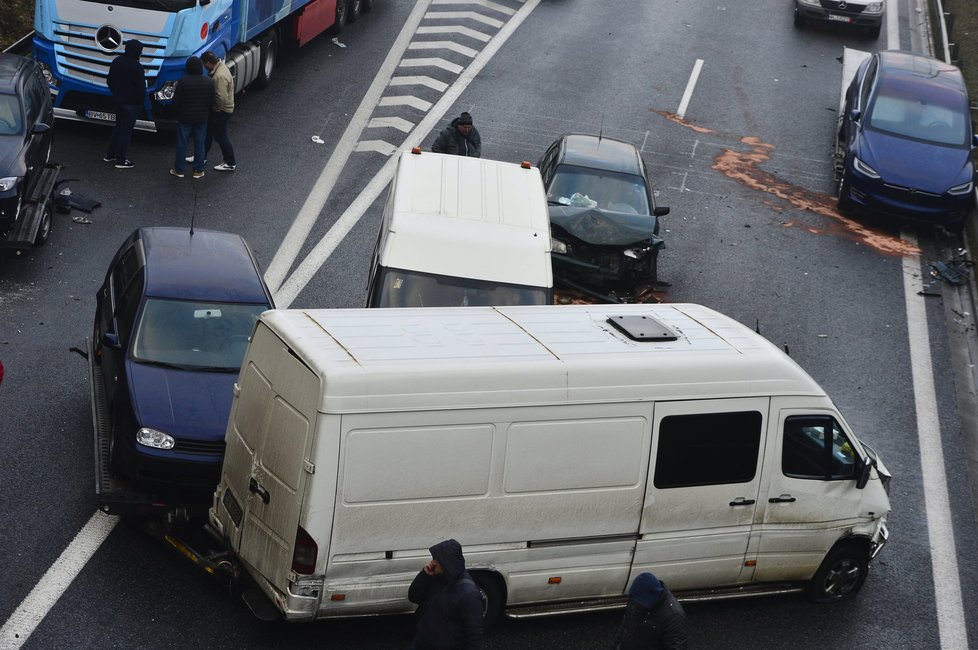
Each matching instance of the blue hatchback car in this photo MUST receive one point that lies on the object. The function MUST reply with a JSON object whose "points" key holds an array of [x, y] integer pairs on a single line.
{"points": [[173, 320], [906, 140]]}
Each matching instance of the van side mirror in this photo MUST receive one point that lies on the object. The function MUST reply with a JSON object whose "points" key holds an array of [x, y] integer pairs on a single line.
{"points": [[974, 140], [660, 212], [110, 339], [40, 128], [865, 471], [855, 114]]}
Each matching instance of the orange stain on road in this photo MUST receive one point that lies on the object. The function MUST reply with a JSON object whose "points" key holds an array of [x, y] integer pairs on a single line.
{"points": [[744, 167]]}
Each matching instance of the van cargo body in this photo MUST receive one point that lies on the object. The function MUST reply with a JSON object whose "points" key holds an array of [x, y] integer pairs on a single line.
{"points": [[568, 448]]}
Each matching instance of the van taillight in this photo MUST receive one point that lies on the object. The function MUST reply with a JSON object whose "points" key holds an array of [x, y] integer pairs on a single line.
{"points": [[304, 556]]}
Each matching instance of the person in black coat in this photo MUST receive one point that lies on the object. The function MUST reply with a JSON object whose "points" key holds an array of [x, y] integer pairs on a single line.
{"points": [[192, 100], [459, 138], [127, 81], [450, 612], [653, 619]]}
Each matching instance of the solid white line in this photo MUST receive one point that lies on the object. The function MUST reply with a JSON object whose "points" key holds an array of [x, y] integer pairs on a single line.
{"points": [[688, 93], [313, 206], [318, 256], [940, 528], [46, 592]]}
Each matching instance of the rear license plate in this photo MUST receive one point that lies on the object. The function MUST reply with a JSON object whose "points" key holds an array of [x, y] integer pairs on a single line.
{"points": [[841, 19], [100, 115]]}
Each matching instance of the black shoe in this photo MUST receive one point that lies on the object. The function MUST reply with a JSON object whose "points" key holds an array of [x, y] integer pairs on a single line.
{"points": [[107, 159], [124, 164]]}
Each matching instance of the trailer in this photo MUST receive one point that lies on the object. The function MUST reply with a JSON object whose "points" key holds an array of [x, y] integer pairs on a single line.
{"points": [[33, 225], [76, 40]]}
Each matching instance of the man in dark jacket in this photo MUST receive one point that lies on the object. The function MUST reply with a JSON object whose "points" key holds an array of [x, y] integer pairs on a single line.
{"points": [[193, 99], [127, 81], [450, 612], [460, 138], [654, 619]]}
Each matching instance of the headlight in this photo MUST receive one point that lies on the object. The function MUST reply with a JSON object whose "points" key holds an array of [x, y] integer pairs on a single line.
{"points": [[874, 8], [864, 169], [810, 3], [165, 93], [558, 247], [155, 439], [959, 190], [8, 183]]}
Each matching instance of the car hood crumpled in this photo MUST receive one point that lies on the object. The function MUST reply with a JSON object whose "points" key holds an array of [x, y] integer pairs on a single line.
{"points": [[185, 404], [603, 227], [914, 164]]}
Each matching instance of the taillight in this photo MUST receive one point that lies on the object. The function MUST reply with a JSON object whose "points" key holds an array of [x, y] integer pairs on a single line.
{"points": [[304, 555]]}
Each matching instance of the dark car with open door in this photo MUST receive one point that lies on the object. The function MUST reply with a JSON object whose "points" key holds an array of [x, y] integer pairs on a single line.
{"points": [[604, 222]]}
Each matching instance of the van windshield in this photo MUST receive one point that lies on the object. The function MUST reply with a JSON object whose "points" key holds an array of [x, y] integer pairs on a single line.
{"points": [[161, 5], [398, 288]]}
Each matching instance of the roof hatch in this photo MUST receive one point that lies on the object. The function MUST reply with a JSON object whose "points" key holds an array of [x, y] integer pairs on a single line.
{"points": [[643, 328]]}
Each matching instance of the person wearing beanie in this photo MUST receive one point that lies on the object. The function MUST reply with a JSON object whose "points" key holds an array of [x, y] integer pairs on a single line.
{"points": [[460, 138], [450, 605], [127, 82], [192, 100], [653, 618]]}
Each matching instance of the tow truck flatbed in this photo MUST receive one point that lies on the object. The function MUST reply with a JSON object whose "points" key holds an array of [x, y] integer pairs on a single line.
{"points": [[33, 225]]}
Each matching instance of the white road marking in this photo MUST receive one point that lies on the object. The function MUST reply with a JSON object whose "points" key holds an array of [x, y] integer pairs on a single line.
{"points": [[308, 268], [503, 9], [421, 80], [444, 45], [940, 528], [462, 15], [433, 62], [379, 146], [405, 100], [394, 122], [456, 29], [55, 581], [690, 85]]}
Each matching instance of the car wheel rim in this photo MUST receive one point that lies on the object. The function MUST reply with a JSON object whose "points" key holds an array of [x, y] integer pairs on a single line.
{"points": [[842, 579]]}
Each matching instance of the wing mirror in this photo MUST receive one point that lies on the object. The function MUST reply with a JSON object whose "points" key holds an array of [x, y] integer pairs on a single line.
{"points": [[660, 212], [111, 340], [855, 114], [40, 128], [865, 471]]}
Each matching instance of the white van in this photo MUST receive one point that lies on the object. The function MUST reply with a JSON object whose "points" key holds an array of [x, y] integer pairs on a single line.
{"points": [[461, 231], [568, 448]]}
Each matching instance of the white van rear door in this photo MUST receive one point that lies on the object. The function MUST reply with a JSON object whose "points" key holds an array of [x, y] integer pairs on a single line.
{"points": [[268, 450], [702, 491]]}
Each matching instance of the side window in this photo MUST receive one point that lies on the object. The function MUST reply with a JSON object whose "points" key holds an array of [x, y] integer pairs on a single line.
{"points": [[30, 104], [707, 449], [127, 286], [128, 304], [868, 82], [816, 448]]}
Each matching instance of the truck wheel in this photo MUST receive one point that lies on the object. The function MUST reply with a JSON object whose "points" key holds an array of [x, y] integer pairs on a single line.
{"points": [[845, 203], [493, 598], [354, 7], [874, 32], [841, 575], [268, 59], [342, 11], [799, 20], [44, 230], [368, 6]]}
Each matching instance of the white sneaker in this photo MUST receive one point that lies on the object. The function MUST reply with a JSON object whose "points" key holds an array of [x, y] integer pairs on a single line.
{"points": [[191, 159], [224, 167]]}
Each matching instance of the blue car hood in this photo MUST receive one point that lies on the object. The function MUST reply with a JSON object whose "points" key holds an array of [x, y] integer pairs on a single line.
{"points": [[910, 163], [183, 403]]}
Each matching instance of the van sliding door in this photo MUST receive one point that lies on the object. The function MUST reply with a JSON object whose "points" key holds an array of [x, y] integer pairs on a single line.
{"points": [[702, 490]]}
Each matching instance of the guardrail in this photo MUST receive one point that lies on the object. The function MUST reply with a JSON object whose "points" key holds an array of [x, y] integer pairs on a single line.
{"points": [[23, 46]]}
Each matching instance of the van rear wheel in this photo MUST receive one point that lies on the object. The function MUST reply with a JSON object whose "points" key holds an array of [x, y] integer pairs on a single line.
{"points": [[493, 597], [841, 575]]}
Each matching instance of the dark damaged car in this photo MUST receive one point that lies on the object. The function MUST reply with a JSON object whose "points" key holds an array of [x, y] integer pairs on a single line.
{"points": [[603, 219]]}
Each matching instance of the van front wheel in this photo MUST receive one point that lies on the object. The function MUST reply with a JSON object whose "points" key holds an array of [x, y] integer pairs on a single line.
{"points": [[841, 575], [493, 597]]}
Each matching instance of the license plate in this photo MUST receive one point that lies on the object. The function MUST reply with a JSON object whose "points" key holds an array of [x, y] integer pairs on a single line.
{"points": [[100, 115], [841, 19]]}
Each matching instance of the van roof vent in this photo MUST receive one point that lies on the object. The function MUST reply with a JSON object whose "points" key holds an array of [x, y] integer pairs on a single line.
{"points": [[643, 328]]}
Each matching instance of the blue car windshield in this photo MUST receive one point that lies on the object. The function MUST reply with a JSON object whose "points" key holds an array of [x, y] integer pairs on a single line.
{"points": [[11, 120], [194, 335], [596, 188], [941, 120]]}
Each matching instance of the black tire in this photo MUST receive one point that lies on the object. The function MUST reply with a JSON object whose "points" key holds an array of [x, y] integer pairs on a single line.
{"points": [[799, 20], [874, 32], [493, 596], [44, 230], [844, 203], [353, 10], [268, 59], [368, 6], [342, 12], [841, 575]]}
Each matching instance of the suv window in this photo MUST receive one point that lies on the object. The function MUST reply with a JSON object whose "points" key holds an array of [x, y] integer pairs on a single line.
{"points": [[868, 83], [10, 117], [707, 449], [816, 448]]}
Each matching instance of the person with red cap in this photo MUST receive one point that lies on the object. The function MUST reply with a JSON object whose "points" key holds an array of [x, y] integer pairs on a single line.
{"points": [[653, 619]]}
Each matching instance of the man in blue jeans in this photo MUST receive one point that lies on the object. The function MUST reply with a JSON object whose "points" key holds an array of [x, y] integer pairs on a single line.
{"points": [[127, 81], [193, 99]]}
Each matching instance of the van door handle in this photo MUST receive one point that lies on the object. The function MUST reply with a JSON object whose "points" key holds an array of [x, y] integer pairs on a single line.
{"points": [[741, 501], [784, 498], [255, 487]]}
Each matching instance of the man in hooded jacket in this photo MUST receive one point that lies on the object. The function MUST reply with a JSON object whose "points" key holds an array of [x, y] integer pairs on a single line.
{"points": [[193, 99], [653, 619], [450, 612], [459, 138], [127, 81]]}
